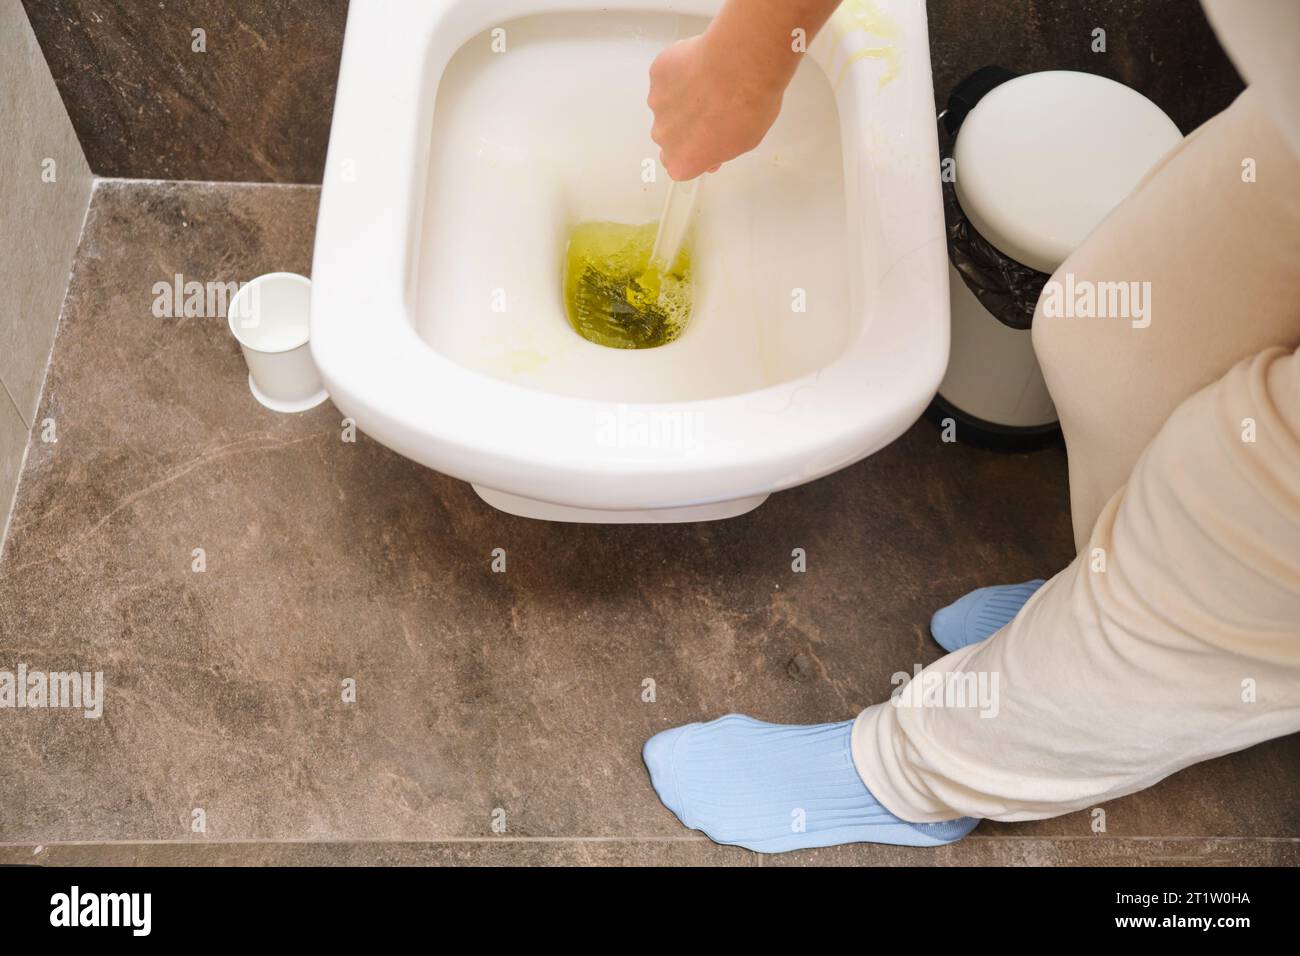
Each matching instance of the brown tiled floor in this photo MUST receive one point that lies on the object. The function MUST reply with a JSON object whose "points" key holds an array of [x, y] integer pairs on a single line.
{"points": [[329, 560]]}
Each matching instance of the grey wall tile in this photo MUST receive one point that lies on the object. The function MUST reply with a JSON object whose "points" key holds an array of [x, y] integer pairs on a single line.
{"points": [[13, 440], [41, 220], [40, 224]]}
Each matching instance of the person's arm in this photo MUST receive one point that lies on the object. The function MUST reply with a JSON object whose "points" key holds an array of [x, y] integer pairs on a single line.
{"points": [[716, 95]]}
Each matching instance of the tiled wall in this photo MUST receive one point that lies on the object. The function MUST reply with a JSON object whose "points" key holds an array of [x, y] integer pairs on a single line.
{"points": [[1164, 49], [256, 104], [248, 99], [44, 191]]}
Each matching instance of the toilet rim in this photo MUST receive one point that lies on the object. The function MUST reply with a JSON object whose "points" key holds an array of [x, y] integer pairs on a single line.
{"points": [[386, 378]]}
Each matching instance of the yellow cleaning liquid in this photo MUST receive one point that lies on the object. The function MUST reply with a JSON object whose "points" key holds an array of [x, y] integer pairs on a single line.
{"points": [[612, 295]]}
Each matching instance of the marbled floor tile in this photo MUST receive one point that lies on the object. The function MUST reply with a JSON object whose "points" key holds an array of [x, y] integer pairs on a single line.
{"points": [[481, 697]]}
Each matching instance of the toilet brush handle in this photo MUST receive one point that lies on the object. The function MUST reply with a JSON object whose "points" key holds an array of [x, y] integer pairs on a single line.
{"points": [[675, 221]]}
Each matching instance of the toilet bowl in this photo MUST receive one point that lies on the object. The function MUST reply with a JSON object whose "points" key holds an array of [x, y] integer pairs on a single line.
{"points": [[468, 138]]}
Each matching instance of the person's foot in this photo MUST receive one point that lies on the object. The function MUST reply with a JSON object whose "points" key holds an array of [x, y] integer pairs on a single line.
{"points": [[980, 614], [773, 787]]}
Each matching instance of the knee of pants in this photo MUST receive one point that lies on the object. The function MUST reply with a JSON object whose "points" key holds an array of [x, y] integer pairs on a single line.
{"points": [[1050, 345], [1099, 360], [1076, 360]]}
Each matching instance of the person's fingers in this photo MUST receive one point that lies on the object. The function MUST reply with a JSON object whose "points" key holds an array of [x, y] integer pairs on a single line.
{"points": [[679, 164], [681, 167], [677, 170]]}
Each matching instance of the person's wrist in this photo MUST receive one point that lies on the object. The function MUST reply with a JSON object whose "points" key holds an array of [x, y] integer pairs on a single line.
{"points": [[754, 74]]}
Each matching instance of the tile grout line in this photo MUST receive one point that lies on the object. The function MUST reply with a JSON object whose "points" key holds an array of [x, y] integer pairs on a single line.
{"points": [[251, 184], [67, 287], [385, 841], [405, 841], [14, 402], [12, 504]]}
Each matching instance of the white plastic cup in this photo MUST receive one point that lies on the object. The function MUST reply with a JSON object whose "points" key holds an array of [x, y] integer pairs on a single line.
{"points": [[268, 316]]}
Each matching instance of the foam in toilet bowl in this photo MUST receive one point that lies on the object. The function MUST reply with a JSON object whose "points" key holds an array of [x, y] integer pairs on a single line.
{"points": [[614, 295], [529, 143]]}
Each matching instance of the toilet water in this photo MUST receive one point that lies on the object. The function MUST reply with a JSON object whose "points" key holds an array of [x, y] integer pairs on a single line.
{"points": [[612, 294]]}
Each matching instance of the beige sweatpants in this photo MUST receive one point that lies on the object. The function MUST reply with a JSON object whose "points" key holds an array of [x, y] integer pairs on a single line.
{"points": [[1174, 636]]}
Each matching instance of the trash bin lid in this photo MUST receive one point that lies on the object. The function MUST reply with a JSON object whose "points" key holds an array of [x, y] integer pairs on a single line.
{"points": [[1043, 158]]}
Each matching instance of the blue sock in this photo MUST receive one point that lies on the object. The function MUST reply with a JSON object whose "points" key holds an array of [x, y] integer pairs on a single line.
{"points": [[980, 614], [773, 788]]}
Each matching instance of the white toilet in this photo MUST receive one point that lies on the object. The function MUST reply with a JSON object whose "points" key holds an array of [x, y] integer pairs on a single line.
{"points": [[469, 137]]}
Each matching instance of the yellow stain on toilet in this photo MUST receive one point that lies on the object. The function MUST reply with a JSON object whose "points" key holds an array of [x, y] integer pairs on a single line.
{"points": [[613, 297], [522, 361], [854, 15]]}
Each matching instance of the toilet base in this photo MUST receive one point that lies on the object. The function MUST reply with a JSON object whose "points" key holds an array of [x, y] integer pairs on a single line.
{"points": [[547, 511]]}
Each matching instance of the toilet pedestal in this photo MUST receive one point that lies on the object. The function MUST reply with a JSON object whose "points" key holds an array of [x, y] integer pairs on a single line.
{"points": [[546, 511]]}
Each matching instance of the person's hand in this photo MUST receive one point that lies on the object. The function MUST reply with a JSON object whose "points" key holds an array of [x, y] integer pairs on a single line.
{"points": [[709, 106]]}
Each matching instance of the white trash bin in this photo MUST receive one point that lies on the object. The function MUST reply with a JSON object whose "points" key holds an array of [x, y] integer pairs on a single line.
{"points": [[268, 316], [1039, 161]]}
